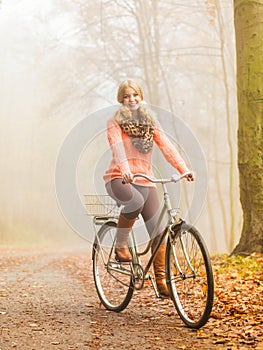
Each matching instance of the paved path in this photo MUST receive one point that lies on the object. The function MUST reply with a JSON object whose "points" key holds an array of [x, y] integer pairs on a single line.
{"points": [[41, 306], [48, 301]]}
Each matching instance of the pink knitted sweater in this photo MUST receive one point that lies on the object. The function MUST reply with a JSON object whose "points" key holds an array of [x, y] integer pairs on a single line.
{"points": [[125, 157]]}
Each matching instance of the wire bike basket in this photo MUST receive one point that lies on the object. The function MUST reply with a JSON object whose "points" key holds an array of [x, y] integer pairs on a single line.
{"points": [[102, 206]]}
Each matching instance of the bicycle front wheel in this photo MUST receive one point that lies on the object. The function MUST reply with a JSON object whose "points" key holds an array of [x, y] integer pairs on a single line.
{"points": [[113, 280], [189, 276]]}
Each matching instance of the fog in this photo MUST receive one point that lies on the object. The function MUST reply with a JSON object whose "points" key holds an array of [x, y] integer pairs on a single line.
{"points": [[61, 63]]}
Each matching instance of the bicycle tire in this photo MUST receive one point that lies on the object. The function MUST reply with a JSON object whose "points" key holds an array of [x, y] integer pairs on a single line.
{"points": [[192, 291], [115, 289]]}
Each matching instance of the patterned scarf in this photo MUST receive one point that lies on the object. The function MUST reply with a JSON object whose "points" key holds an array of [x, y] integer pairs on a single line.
{"points": [[140, 128]]}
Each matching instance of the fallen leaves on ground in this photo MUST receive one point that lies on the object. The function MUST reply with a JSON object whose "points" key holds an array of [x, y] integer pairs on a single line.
{"points": [[238, 308], [236, 320]]}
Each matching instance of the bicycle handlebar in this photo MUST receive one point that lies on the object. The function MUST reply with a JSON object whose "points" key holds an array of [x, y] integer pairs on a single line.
{"points": [[175, 178]]}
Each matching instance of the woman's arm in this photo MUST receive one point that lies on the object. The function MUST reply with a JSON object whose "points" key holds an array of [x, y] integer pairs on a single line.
{"points": [[170, 152], [114, 133]]}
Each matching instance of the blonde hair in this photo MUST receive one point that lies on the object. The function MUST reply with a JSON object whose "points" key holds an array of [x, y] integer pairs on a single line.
{"points": [[126, 84]]}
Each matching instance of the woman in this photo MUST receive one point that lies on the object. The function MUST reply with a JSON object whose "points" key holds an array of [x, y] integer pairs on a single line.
{"points": [[132, 131]]}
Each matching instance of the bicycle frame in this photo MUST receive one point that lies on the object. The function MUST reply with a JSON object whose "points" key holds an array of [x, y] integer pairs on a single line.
{"points": [[172, 221]]}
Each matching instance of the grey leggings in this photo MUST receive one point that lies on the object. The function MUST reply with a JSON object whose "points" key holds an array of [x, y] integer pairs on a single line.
{"points": [[136, 200]]}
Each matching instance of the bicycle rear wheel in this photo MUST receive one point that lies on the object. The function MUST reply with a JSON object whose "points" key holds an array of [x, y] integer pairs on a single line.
{"points": [[192, 288], [113, 280]]}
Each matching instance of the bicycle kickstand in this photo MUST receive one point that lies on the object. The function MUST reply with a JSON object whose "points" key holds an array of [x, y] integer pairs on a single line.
{"points": [[154, 287]]}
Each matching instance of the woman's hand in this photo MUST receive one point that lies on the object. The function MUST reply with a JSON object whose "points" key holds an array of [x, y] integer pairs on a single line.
{"points": [[127, 178], [190, 177]]}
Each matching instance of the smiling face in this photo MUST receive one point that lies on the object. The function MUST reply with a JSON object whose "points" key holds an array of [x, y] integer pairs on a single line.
{"points": [[131, 98], [130, 94]]}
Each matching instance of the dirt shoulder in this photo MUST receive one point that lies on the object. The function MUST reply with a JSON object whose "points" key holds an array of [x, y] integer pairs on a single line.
{"points": [[48, 301]]}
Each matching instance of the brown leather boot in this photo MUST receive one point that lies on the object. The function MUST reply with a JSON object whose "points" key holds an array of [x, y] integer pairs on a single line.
{"points": [[159, 271], [123, 229]]}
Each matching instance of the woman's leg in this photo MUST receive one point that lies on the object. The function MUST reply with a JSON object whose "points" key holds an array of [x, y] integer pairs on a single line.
{"points": [[150, 211], [132, 202], [150, 215], [127, 195]]}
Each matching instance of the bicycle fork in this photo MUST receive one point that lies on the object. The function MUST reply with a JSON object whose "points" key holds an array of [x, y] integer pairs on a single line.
{"points": [[176, 261]]}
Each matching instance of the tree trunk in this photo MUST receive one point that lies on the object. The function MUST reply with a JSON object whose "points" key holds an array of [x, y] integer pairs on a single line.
{"points": [[249, 43]]}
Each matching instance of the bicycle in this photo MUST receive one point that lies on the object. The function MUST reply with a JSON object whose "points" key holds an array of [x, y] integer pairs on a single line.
{"points": [[188, 269]]}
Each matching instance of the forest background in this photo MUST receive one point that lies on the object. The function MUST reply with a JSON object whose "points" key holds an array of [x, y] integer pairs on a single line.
{"points": [[61, 63]]}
